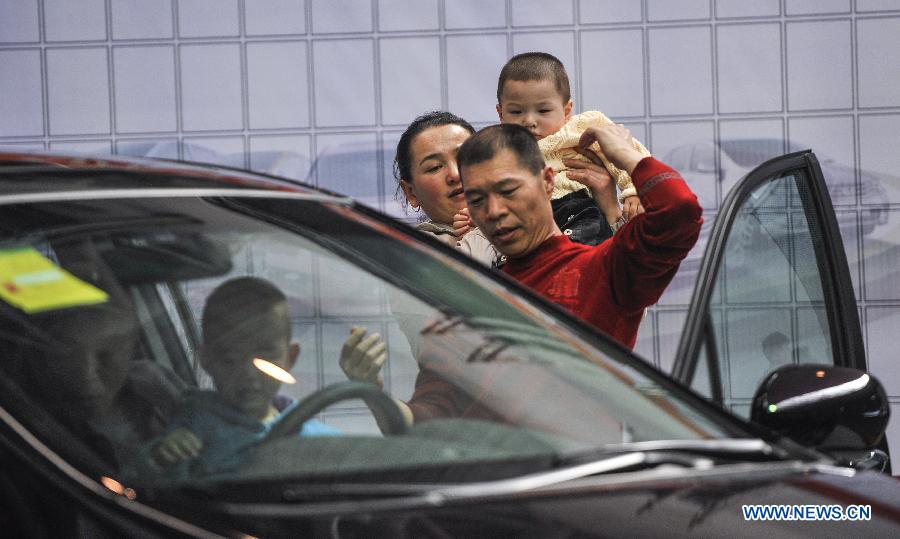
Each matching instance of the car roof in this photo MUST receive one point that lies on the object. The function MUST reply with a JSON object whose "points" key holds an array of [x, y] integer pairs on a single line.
{"points": [[23, 173]]}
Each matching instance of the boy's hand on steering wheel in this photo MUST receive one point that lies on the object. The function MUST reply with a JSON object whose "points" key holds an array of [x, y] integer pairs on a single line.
{"points": [[179, 445]]}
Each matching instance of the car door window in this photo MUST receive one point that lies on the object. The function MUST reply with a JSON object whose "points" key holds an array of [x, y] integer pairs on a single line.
{"points": [[773, 313], [768, 303]]}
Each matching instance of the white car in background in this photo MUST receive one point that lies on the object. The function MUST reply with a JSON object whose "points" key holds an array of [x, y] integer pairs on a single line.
{"points": [[353, 169], [705, 164], [282, 163]]}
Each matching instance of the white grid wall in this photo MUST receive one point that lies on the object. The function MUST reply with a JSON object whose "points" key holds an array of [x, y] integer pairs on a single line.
{"points": [[319, 90]]}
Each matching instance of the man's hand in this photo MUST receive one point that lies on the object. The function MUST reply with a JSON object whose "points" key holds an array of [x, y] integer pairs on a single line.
{"points": [[616, 143], [631, 207], [590, 173], [363, 356], [595, 176], [462, 223], [179, 445]]}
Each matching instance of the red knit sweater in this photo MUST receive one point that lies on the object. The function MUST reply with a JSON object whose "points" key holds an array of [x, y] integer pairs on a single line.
{"points": [[610, 284]]}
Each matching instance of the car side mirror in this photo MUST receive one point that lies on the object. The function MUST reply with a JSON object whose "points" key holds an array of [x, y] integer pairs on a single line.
{"points": [[822, 406]]}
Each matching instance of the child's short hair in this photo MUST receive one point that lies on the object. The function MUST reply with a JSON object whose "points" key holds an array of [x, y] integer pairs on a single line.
{"points": [[487, 143], [535, 66], [246, 308]]}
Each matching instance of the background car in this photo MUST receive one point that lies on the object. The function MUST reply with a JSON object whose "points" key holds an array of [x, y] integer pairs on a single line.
{"points": [[107, 266], [348, 168], [708, 164], [283, 163], [343, 168]]}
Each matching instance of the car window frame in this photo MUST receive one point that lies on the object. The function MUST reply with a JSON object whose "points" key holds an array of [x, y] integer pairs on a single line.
{"points": [[837, 288]]}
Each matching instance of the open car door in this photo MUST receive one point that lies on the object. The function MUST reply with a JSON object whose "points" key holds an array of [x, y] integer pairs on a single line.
{"points": [[773, 287]]}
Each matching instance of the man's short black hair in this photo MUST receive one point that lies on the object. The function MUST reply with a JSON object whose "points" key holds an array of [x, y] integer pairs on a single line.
{"points": [[487, 143], [535, 66]]}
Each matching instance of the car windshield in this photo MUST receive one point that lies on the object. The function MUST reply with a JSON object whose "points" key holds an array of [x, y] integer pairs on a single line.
{"points": [[108, 348]]}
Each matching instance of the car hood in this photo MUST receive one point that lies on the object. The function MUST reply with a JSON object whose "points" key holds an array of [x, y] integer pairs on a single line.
{"points": [[661, 502]]}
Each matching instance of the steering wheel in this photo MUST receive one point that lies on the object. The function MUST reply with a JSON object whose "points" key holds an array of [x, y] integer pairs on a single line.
{"points": [[290, 424]]}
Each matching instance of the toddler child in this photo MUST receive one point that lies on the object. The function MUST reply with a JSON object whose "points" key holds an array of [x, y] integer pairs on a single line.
{"points": [[533, 91]]}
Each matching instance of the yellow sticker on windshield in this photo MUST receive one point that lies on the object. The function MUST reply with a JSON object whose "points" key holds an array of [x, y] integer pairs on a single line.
{"points": [[33, 283]]}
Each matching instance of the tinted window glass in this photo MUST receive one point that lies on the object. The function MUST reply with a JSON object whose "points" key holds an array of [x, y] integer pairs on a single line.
{"points": [[770, 311]]}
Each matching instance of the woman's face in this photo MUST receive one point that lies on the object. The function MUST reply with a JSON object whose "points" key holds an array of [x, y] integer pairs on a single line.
{"points": [[435, 185]]}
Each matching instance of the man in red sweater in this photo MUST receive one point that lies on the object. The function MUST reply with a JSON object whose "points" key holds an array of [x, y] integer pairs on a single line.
{"points": [[508, 188]]}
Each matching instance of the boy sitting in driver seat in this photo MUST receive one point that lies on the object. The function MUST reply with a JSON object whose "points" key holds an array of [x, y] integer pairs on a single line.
{"points": [[247, 350]]}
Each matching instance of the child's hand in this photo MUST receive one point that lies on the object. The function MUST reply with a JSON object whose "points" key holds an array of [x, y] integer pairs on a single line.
{"points": [[462, 223], [362, 358], [178, 445], [631, 207]]}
